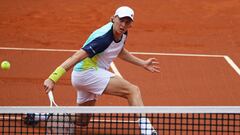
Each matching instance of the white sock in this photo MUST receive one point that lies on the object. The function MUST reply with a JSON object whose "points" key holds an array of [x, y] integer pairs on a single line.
{"points": [[145, 126]]}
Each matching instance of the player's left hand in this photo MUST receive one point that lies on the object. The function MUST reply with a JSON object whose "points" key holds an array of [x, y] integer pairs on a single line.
{"points": [[151, 65]]}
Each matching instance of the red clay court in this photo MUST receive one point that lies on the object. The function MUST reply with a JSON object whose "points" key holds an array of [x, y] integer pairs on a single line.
{"points": [[197, 44]]}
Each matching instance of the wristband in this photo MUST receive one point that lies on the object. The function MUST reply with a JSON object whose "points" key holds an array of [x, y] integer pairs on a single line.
{"points": [[57, 74]]}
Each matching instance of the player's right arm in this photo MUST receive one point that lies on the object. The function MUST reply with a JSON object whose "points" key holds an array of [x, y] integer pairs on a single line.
{"points": [[76, 57], [64, 67]]}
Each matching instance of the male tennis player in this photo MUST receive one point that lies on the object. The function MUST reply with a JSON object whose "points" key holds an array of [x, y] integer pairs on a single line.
{"points": [[90, 76]]}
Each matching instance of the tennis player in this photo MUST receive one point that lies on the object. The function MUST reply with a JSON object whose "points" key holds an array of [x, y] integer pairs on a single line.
{"points": [[90, 76]]}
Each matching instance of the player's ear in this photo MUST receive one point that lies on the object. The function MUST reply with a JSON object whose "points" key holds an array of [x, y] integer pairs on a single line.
{"points": [[111, 19]]}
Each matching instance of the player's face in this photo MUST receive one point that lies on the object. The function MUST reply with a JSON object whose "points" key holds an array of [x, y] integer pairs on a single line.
{"points": [[121, 25]]}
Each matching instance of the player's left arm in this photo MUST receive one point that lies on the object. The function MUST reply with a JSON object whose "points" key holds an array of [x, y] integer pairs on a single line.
{"points": [[151, 64]]}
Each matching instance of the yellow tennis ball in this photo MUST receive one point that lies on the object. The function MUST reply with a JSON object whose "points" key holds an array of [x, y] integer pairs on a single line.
{"points": [[5, 65]]}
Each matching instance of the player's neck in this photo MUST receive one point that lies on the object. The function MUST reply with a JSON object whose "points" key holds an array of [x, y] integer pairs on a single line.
{"points": [[117, 36]]}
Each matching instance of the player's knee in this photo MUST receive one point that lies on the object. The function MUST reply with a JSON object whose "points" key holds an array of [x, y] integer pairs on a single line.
{"points": [[134, 91]]}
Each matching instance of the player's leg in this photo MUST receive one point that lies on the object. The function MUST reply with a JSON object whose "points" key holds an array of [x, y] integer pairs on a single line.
{"points": [[80, 81], [118, 86], [84, 99], [92, 83]]}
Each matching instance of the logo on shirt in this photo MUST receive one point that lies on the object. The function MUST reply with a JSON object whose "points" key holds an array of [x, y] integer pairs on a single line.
{"points": [[92, 50]]}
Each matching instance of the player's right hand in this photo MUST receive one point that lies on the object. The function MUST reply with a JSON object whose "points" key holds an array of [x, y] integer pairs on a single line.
{"points": [[48, 85]]}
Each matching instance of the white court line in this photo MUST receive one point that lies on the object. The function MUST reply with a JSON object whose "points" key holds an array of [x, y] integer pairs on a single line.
{"points": [[232, 64], [115, 70], [36, 49], [227, 58], [178, 54]]}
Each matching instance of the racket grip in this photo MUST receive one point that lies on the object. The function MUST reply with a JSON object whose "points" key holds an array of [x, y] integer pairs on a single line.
{"points": [[50, 96], [51, 99]]}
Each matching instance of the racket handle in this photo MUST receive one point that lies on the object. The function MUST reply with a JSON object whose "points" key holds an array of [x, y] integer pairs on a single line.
{"points": [[51, 99]]}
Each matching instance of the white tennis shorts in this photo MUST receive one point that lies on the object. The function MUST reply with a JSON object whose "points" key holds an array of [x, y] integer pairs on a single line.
{"points": [[90, 83]]}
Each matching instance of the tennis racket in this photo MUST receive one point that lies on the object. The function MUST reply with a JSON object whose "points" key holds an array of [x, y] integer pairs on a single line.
{"points": [[34, 118], [59, 124], [51, 99]]}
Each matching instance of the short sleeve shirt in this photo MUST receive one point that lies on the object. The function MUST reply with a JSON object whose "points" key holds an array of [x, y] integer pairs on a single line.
{"points": [[101, 48]]}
